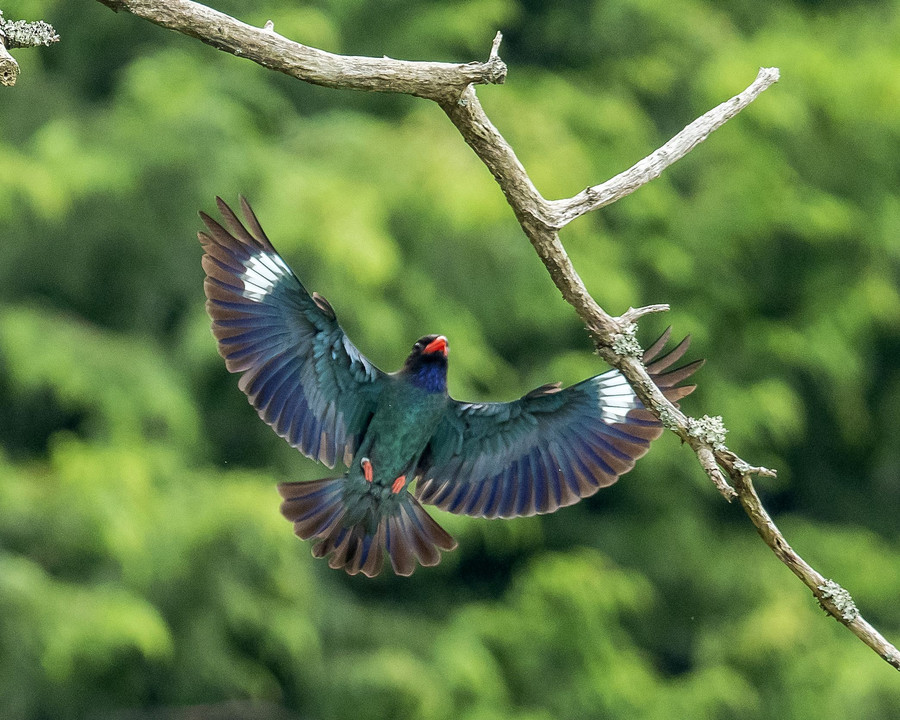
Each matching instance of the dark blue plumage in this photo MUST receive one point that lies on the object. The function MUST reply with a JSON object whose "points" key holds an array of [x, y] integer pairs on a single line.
{"points": [[306, 379], [430, 379]]}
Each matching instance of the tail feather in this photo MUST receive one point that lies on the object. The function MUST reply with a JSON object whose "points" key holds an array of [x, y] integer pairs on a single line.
{"points": [[412, 534], [319, 509], [353, 550], [314, 507]]}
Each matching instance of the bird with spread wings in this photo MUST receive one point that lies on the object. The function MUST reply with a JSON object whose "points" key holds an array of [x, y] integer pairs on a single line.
{"points": [[306, 379]]}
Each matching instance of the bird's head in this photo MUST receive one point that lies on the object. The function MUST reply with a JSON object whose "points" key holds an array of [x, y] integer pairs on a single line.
{"points": [[426, 365]]}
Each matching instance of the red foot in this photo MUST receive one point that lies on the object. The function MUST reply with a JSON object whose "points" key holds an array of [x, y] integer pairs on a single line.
{"points": [[367, 468], [398, 484]]}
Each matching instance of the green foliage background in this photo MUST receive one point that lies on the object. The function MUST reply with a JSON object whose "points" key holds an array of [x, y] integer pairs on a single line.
{"points": [[145, 571]]}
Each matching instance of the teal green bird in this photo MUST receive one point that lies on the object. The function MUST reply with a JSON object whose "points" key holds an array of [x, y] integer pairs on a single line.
{"points": [[300, 371]]}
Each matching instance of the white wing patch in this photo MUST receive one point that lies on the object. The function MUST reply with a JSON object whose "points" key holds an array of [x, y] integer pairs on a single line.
{"points": [[262, 272], [615, 397]]}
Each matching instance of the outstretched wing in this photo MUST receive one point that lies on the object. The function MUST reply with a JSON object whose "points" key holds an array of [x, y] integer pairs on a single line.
{"points": [[300, 371], [548, 449]]}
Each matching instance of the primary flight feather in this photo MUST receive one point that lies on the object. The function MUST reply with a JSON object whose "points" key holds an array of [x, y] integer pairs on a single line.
{"points": [[300, 371]]}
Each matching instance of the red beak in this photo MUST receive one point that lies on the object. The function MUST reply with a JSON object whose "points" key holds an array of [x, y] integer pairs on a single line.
{"points": [[439, 344]]}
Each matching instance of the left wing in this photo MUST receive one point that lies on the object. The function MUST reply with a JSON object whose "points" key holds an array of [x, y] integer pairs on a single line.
{"points": [[298, 367], [547, 449]]}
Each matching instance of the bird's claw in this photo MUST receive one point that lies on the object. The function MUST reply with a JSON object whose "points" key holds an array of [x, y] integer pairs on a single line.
{"points": [[398, 484], [366, 468]]}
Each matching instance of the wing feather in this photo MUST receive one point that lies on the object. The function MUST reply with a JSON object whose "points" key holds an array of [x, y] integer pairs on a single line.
{"points": [[298, 368]]}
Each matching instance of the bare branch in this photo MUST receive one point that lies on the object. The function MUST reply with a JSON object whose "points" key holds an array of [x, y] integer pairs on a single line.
{"points": [[651, 167], [495, 46], [834, 599], [432, 80], [708, 462], [632, 315], [452, 87]]}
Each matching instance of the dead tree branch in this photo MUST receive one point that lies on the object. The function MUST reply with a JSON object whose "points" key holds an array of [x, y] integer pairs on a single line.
{"points": [[452, 87], [19, 34], [625, 183], [430, 80]]}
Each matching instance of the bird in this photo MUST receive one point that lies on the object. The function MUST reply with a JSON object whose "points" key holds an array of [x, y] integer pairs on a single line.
{"points": [[392, 431]]}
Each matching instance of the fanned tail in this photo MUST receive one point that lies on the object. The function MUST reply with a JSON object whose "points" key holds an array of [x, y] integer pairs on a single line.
{"points": [[356, 542]]}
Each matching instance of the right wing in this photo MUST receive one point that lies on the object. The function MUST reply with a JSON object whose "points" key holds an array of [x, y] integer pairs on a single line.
{"points": [[548, 449]]}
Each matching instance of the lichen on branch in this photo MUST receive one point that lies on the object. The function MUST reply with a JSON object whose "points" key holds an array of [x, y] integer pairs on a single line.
{"points": [[20, 33]]}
